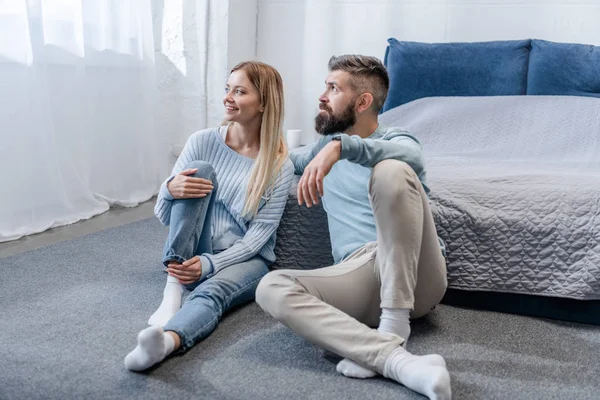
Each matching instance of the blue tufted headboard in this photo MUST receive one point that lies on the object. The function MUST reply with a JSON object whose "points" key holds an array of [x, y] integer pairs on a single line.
{"points": [[514, 67]]}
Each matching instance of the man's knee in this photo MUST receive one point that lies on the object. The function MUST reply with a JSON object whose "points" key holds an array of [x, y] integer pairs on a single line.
{"points": [[205, 170], [272, 293], [392, 177]]}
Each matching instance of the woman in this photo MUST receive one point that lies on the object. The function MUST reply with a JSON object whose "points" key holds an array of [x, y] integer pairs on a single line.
{"points": [[223, 204]]}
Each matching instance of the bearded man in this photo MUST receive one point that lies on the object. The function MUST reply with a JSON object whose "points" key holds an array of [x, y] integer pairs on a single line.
{"points": [[389, 266]]}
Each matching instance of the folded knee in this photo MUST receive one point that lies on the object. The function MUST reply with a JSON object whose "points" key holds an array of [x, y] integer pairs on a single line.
{"points": [[273, 292], [392, 177], [205, 170]]}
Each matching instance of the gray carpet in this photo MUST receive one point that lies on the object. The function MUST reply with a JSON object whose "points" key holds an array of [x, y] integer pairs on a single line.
{"points": [[70, 313]]}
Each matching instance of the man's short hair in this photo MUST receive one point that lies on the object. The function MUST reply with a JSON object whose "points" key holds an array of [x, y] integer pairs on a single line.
{"points": [[368, 74]]}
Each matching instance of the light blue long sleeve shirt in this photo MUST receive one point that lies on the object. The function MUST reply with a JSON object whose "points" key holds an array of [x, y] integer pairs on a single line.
{"points": [[236, 238], [346, 187]]}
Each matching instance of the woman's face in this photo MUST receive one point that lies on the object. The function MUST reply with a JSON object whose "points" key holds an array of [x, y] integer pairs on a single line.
{"points": [[242, 100]]}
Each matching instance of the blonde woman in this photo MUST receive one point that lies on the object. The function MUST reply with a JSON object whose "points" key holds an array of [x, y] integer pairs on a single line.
{"points": [[222, 203]]}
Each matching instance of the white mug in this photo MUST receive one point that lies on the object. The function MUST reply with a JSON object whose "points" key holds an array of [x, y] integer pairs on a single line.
{"points": [[294, 138]]}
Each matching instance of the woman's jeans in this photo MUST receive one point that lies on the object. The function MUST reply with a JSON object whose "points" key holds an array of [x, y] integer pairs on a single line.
{"points": [[190, 235]]}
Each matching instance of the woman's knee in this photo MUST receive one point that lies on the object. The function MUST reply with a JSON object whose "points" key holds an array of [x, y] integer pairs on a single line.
{"points": [[205, 169]]}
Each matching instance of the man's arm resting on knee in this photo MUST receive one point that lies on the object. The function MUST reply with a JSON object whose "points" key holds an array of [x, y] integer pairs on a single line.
{"points": [[396, 146], [301, 160]]}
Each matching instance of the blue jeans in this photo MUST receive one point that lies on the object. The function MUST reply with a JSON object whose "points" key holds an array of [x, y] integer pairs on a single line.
{"points": [[206, 304], [189, 228], [190, 235]]}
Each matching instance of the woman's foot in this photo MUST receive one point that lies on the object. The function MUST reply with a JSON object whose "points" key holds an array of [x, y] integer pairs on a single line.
{"points": [[154, 345]]}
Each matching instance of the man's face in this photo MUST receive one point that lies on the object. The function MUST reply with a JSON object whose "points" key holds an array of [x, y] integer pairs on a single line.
{"points": [[337, 105]]}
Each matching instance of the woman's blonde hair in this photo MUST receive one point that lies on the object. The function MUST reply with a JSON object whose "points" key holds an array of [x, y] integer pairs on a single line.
{"points": [[273, 150]]}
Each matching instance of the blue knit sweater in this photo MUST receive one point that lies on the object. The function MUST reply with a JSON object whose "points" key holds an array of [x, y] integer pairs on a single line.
{"points": [[235, 238], [346, 187]]}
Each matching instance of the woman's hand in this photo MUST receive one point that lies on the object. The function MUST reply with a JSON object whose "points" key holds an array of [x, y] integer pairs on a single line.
{"points": [[186, 273], [189, 187]]}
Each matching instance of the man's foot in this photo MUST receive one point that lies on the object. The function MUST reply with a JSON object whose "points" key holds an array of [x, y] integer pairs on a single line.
{"points": [[392, 320], [153, 347], [170, 304], [417, 373], [351, 369]]}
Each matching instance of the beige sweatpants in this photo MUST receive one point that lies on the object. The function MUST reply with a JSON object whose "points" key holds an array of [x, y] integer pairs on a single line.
{"points": [[335, 307]]}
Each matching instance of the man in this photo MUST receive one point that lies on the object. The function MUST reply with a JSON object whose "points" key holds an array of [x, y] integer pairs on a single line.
{"points": [[388, 261]]}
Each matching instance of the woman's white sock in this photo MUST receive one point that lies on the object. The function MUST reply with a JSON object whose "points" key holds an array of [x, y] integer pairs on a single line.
{"points": [[154, 345], [170, 304]]}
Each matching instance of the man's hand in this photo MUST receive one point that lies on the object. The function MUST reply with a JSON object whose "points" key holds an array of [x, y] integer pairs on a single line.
{"points": [[186, 273], [189, 187], [310, 186]]}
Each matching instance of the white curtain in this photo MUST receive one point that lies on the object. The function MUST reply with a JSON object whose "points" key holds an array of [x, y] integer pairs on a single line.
{"points": [[77, 106]]}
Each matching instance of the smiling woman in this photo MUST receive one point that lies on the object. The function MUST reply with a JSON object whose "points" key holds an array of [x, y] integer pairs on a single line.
{"points": [[222, 203], [242, 105], [251, 116]]}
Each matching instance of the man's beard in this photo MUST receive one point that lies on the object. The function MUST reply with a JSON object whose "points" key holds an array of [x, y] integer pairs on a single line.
{"points": [[327, 123]]}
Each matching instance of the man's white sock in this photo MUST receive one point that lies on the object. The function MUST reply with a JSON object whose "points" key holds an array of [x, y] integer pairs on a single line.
{"points": [[419, 374], [396, 321], [392, 320], [154, 345], [170, 304]]}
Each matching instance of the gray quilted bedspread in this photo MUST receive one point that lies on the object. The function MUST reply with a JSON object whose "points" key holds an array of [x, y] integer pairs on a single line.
{"points": [[530, 234], [515, 192], [303, 237]]}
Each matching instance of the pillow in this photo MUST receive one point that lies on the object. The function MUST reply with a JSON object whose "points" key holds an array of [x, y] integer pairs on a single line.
{"points": [[563, 69], [419, 70]]}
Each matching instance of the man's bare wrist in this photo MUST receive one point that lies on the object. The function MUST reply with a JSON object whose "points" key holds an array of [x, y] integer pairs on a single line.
{"points": [[337, 145]]}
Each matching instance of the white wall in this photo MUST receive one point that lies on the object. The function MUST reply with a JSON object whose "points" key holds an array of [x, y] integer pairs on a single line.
{"points": [[197, 42], [191, 40], [299, 36], [243, 15]]}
